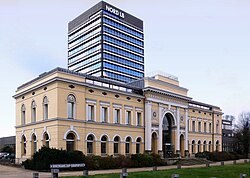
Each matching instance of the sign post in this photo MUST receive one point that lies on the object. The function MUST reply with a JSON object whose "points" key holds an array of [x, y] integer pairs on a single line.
{"points": [[55, 168]]}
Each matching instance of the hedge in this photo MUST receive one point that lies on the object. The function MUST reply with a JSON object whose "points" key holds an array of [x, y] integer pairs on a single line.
{"points": [[219, 156], [46, 156]]}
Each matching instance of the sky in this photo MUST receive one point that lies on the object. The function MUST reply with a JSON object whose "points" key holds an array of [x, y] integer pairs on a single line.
{"points": [[206, 44]]}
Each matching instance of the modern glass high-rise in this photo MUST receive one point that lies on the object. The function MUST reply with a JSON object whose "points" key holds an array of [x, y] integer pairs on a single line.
{"points": [[106, 42]]}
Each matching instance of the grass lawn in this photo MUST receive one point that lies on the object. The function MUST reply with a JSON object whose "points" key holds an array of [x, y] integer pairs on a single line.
{"points": [[227, 171]]}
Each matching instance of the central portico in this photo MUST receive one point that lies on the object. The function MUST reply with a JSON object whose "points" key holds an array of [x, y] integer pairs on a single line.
{"points": [[166, 116]]}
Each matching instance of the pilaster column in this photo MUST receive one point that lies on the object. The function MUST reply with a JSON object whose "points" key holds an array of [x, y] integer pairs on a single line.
{"points": [[178, 130], [186, 129], [160, 128], [148, 125]]}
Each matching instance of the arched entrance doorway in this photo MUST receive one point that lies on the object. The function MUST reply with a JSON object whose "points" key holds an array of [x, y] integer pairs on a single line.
{"points": [[167, 142], [182, 146], [154, 143]]}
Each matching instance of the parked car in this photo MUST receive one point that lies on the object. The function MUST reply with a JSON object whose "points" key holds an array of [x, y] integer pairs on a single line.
{"points": [[10, 156], [3, 154]]}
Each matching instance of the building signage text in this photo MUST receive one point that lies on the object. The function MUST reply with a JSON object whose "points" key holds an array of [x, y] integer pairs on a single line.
{"points": [[53, 166], [115, 11]]}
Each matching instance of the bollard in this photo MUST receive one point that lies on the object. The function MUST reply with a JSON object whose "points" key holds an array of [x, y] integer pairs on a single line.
{"points": [[154, 168], [54, 173], [222, 163], [35, 175], [85, 172], [175, 176], [234, 161], [245, 161], [124, 173], [242, 175], [249, 160], [207, 164], [178, 166]]}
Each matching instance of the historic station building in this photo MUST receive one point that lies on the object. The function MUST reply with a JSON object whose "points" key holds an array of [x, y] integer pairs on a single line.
{"points": [[73, 111]]}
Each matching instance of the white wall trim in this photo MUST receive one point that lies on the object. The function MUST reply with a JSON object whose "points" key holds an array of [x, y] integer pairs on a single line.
{"points": [[130, 137], [31, 134], [106, 136], [89, 101], [91, 133], [142, 141], [166, 102], [71, 129], [118, 136]]}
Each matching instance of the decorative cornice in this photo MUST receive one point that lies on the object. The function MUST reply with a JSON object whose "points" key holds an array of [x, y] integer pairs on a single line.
{"points": [[77, 121], [167, 93], [78, 83]]}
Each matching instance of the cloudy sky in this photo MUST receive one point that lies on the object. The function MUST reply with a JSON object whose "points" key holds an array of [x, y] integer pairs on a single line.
{"points": [[205, 43]]}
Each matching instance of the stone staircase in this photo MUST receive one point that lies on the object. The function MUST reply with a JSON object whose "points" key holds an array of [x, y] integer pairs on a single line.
{"points": [[192, 161]]}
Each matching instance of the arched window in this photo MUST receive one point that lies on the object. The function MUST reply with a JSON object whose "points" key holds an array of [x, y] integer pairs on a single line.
{"points": [[199, 146], [128, 145], [90, 144], [46, 139], [116, 145], [210, 128], [33, 144], [70, 142], [104, 145], [210, 146], [71, 106], [205, 127], [33, 111], [217, 145], [193, 146], [23, 145], [45, 108], [138, 145], [23, 110], [204, 146]]}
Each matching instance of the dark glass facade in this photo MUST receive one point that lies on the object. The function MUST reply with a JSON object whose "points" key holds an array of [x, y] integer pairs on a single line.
{"points": [[107, 42]]}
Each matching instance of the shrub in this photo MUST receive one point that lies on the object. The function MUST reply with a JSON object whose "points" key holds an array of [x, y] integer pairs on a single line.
{"points": [[46, 156], [219, 156], [204, 154]]}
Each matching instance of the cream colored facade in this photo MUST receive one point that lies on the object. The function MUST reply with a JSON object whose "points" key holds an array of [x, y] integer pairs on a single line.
{"points": [[67, 110]]}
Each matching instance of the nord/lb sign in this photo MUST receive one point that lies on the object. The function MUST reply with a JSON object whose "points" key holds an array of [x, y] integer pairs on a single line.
{"points": [[58, 166], [114, 11]]}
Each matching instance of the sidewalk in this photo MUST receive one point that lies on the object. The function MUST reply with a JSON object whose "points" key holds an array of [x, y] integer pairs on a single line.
{"points": [[13, 172]]}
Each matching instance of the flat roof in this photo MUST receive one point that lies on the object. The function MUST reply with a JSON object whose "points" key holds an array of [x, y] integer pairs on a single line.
{"points": [[99, 79], [122, 15]]}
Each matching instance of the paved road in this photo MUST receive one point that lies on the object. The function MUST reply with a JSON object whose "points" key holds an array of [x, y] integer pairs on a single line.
{"points": [[13, 172]]}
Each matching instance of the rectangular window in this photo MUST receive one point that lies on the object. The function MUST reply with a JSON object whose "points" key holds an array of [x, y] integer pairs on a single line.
{"points": [[199, 126], [116, 148], [128, 117], [104, 114], [70, 110], [138, 119], [137, 148], [193, 126], [45, 111], [23, 117], [210, 128], [90, 112], [33, 114], [205, 127], [117, 116], [90, 147]]}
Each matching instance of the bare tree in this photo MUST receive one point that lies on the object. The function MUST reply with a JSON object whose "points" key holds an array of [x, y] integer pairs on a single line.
{"points": [[243, 131]]}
